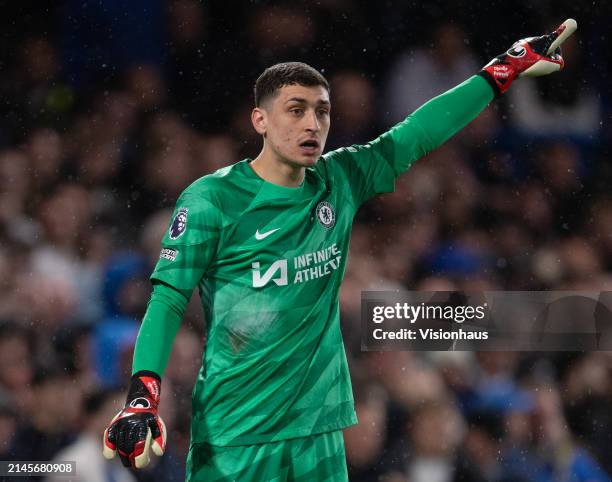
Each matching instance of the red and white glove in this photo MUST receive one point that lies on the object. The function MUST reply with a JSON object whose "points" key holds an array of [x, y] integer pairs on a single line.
{"points": [[137, 428], [528, 57]]}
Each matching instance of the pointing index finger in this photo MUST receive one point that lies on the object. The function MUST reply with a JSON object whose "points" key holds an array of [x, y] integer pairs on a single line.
{"points": [[563, 32]]}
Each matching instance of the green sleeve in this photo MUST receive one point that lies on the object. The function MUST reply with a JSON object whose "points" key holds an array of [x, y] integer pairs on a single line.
{"points": [[190, 242], [443, 116], [372, 168], [160, 325]]}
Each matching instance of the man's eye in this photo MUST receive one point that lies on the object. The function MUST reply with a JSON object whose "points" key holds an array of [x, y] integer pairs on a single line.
{"points": [[323, 112], [296, 111]]}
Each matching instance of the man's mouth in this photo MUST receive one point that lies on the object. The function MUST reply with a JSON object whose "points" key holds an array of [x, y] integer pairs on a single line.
{"points": [[309, 146]]}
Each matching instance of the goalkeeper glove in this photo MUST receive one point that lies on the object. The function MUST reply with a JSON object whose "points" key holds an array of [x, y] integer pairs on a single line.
{"points": [[137, 428], [528, 57]]}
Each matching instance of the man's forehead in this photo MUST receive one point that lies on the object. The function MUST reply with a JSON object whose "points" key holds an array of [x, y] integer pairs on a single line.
{"points": [[310, 94]]}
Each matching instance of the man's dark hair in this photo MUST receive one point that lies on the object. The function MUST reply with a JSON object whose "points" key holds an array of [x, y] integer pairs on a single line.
{"points": [[286, 73]]}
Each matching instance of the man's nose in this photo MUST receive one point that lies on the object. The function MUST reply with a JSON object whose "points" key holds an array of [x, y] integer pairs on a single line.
{"points": [[312, 122]]}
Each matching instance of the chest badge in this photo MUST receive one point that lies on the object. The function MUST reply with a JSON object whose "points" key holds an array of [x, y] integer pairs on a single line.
{"points": [[326, 214]]}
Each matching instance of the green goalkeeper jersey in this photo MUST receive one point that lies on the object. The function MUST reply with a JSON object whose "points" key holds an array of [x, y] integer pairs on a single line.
{"points": [[268, 261]]}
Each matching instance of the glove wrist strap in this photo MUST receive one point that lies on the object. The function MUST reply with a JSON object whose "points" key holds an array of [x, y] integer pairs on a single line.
{"points": [[499, 75], [144, 384]]}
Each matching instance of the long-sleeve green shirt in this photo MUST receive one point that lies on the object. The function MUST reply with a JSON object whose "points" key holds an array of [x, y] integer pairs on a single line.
{"points": [[274, 352]]}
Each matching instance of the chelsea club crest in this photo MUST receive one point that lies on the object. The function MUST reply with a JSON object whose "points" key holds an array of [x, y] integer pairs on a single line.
{"points": [[326, 214], [179, 224]]}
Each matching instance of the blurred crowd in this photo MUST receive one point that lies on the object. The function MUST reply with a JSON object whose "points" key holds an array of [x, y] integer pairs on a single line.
{"points": [[110, 109]]}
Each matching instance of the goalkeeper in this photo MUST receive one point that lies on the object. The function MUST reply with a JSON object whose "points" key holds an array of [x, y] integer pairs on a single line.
{"points": [[265, 241]]}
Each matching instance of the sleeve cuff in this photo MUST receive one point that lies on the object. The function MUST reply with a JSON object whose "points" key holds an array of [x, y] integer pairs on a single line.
{"points": [[146, 373], [487, 76]]}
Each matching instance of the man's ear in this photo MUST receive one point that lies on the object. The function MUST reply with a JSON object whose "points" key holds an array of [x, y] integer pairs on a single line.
{"points": [[259, 119]]}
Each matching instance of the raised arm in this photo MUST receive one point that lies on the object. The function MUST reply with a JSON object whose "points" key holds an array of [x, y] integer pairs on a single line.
{"points": [[372, 168], [437, 120]]}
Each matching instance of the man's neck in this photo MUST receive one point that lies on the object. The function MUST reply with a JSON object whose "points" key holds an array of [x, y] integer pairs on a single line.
{"points": [[267, 166]]}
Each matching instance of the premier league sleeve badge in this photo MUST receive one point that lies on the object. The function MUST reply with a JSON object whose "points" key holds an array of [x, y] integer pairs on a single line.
{"points": [[179, 224]]}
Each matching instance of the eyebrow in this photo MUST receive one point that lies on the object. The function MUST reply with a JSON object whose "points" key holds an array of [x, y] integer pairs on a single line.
{"points": [[304, 101]]}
